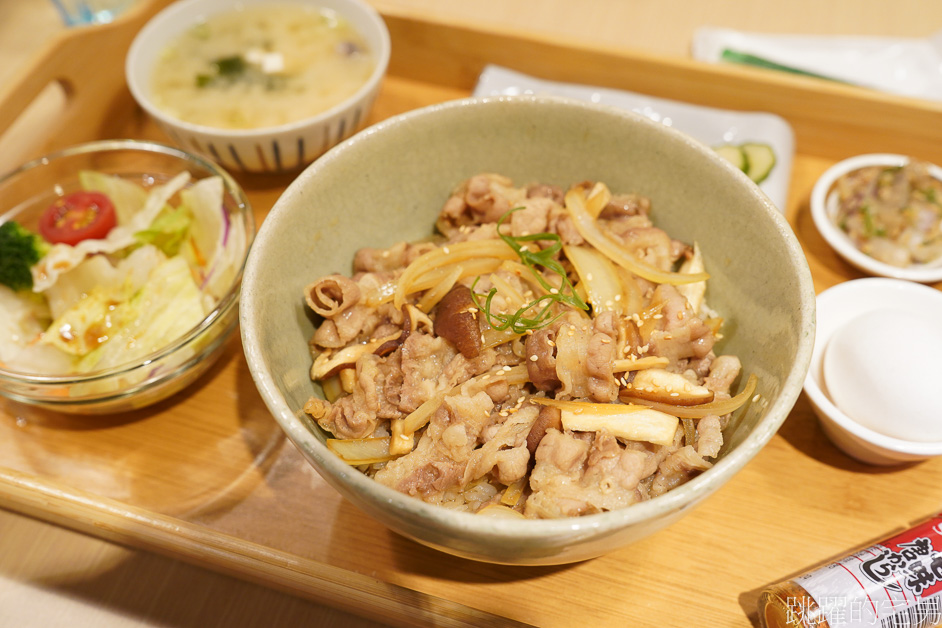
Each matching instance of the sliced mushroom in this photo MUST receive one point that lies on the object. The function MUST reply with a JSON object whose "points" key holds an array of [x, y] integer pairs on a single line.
{"points": [[412, 320], [542, 370], [547, 418], [330, 363], [456, 321], [666, 387]]}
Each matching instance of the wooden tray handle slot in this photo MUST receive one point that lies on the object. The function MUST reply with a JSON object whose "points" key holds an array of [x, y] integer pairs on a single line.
{"points": [[85, 65]]}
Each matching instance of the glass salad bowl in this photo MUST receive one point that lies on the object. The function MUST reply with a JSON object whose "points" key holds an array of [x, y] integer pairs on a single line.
{"points": [[120, 270]]}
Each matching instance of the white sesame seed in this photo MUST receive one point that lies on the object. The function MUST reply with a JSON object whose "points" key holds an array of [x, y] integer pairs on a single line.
{"points": [[534, 357]]}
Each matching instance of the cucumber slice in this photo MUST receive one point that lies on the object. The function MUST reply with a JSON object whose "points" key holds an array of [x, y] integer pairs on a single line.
{"points": [[734, 155], [760, 159]]}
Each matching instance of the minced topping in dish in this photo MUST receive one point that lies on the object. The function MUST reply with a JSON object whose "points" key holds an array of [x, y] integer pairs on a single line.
{"points": [[549, 355], [893, 214]]}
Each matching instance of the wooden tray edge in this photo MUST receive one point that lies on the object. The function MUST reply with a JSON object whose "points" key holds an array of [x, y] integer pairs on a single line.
{"points": [[322, 583], [830, 119]]}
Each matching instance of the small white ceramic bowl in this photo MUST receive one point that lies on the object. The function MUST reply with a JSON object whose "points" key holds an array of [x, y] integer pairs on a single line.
{"points": [[823, 214], [759, 280], [838, 306], [283, 148]]}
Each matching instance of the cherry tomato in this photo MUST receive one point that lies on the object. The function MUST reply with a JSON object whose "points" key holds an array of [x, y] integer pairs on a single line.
{"points": [[76, 217]]}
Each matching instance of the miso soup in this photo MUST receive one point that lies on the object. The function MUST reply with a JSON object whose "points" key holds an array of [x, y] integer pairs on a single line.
{"points": [[260, 66]]}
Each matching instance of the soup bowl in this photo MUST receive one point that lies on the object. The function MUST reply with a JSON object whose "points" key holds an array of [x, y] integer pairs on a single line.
{"points": [[388, 184], [284, 147]]}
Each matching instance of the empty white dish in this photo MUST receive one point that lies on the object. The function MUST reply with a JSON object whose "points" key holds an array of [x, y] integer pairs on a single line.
{"points": [[838, 307]]}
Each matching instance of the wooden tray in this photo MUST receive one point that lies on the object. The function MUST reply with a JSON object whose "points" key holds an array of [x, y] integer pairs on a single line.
{"points": [[207, 476]]}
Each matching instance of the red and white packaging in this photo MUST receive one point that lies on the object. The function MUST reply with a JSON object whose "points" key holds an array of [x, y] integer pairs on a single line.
{"points": [[894, 584]]}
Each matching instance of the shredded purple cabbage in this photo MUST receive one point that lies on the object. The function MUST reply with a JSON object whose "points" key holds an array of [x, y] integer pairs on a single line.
{"points": [[225, 229]]}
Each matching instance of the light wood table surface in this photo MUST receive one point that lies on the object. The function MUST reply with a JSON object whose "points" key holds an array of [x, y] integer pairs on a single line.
{"points": [[50, 576]]}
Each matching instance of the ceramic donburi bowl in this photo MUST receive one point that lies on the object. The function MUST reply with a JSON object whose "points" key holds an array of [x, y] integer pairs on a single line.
{"points": [[388, 183]]}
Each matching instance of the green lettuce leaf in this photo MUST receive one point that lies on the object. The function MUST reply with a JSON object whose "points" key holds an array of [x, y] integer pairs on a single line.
{"points": [[164, 309], [169, 230]]}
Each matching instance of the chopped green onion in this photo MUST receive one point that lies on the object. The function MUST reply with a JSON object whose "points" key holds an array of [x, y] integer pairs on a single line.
{"points": [[230, 66], [518, 322], [226, 67], [869, 227]]}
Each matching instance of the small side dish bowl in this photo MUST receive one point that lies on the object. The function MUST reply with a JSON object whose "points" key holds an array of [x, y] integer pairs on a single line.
{"points": [[25, 196], [824, 211], [283, 147], [840, 306], [388, 185]]}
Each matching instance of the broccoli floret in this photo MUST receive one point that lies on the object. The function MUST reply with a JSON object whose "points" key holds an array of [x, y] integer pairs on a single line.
{"points": [[20, 248]]}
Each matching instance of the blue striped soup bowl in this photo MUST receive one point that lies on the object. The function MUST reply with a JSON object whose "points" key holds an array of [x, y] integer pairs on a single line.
{"points": [[284, 148]]}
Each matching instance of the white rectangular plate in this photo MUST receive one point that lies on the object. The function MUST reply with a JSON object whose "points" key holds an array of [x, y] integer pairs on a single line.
{"points": [[711, 126]]}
